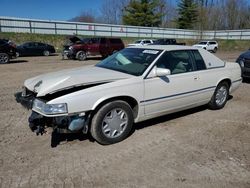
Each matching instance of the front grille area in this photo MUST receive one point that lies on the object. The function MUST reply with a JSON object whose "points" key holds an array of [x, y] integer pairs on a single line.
{"points": [[27, 93], [247, 63]]}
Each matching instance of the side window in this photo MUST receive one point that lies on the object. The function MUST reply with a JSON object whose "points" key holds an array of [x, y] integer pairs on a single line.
{"points": [[115, 41], [176, 61], [103, 41], [30, 44], [94, 40], [213, 43], [40, 44], [199, 62]]}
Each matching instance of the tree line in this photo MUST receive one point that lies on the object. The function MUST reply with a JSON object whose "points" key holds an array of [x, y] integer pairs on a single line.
{"points": [[183, 14]]}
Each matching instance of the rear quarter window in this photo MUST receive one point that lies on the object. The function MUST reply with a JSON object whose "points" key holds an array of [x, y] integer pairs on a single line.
{"points": [[199, 62]]}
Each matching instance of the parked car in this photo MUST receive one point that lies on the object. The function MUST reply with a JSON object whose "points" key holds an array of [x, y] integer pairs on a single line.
{"points": [[208, 45], [244, 62], [142, 42], [35, 49], [7, 50], [167, 42], [82, 48], [132, 85]]}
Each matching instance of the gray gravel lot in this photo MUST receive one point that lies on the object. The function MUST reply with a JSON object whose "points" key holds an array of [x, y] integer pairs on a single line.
{"points": [[195, 148]]}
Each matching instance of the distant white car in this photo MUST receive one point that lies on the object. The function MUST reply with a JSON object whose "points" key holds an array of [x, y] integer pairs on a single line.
{"points": [[208, 45], [142, 42], [132, 85]]}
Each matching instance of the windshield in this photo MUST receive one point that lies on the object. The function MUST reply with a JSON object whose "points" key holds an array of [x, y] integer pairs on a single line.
{"points": [[202, 42], [130, 60]]}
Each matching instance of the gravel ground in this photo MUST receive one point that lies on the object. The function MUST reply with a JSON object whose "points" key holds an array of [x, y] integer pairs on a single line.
{"points": [[194, 148]]}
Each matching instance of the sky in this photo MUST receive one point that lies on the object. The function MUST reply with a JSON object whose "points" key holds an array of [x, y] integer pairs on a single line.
{"points": [[48, 9]]}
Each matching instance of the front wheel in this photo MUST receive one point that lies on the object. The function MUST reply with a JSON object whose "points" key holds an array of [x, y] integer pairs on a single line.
{"points": [[215, 49], [4, 58], [81, 55], [220, 96], [112, 123]]}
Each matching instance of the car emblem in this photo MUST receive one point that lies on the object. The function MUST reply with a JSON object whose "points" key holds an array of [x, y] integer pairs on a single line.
{"points": [[37, 84]]}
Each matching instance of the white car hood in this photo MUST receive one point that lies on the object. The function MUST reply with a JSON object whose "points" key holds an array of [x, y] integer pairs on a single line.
{"points": [[199, 45], [56, 81]]}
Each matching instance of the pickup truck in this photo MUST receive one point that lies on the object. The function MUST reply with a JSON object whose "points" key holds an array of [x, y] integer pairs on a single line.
{"points": [[82, 48]]}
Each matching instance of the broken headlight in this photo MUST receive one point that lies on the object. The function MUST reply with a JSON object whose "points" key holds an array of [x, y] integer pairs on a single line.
{"points": [[49, 109]]}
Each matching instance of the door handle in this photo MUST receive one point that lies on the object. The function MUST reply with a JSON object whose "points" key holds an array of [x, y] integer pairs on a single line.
{"points": [[196, 78]]}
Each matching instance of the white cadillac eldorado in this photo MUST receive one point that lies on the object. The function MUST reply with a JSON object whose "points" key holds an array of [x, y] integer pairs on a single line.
{"points": [[132, 85]]}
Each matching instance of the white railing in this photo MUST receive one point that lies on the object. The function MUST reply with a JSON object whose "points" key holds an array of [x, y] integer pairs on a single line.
{"points": [[20, 25]]}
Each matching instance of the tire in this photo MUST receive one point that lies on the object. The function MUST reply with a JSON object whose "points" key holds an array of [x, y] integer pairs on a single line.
{"points": [[46, 53], [81, 56], [4, 58], [215, 49], [119, 116], [220, 96]]}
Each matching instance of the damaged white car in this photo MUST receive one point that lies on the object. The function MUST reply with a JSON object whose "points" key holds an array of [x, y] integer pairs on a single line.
{"points": [[132, 85]]}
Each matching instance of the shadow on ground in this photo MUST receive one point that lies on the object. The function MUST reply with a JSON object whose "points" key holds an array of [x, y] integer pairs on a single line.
{"points": [[246, 80], [17, 61]]}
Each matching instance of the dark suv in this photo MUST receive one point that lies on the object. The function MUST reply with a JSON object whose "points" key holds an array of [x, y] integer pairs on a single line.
{"points": [[82, 48], [7, 51], [244, 61]]}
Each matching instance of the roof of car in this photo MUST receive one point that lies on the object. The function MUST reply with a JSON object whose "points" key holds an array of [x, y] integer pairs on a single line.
{"points": [[165, 47]]}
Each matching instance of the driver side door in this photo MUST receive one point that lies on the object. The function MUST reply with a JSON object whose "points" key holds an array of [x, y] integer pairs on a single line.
{"points": [[173, 92]]}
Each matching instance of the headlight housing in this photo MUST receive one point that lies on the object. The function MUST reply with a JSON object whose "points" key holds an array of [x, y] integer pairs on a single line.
{"points": [[49, 109], [241, 62]]}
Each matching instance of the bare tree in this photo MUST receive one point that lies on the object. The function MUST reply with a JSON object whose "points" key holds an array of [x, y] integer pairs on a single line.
{"points": [[112, 11]]}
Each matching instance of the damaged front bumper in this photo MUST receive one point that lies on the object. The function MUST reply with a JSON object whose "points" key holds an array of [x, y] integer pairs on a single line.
{"points": [[62, 123]]}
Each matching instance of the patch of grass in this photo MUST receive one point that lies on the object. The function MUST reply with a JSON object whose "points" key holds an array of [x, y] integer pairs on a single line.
{"points": [[59, 40]]}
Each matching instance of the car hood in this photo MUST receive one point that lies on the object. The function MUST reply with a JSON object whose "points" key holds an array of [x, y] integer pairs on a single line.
{"points": [[199, 45], [245, 55], [65, 79], [74, 39]]}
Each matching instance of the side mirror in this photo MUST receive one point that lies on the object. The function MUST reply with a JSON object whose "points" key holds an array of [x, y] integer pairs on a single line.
{"points": [[162, 72], [159, 72]]}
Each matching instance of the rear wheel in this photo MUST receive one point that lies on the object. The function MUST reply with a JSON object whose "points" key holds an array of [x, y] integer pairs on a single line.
{"points": [[81, 55], [46, 53], [4, 58], [220, 96], [112, 123]]}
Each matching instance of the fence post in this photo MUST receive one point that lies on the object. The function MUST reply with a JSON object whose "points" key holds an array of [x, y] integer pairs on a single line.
{"points": [[111, 30], [55, 29], [0, 26], [76, 29], [30, 26]]}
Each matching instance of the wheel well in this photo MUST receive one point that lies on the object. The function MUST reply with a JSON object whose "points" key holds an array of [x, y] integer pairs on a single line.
{"points": [[227, 80], [130, 100]]}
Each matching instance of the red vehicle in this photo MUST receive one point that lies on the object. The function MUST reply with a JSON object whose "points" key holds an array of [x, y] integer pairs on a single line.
{"points": [[82, 48]]}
